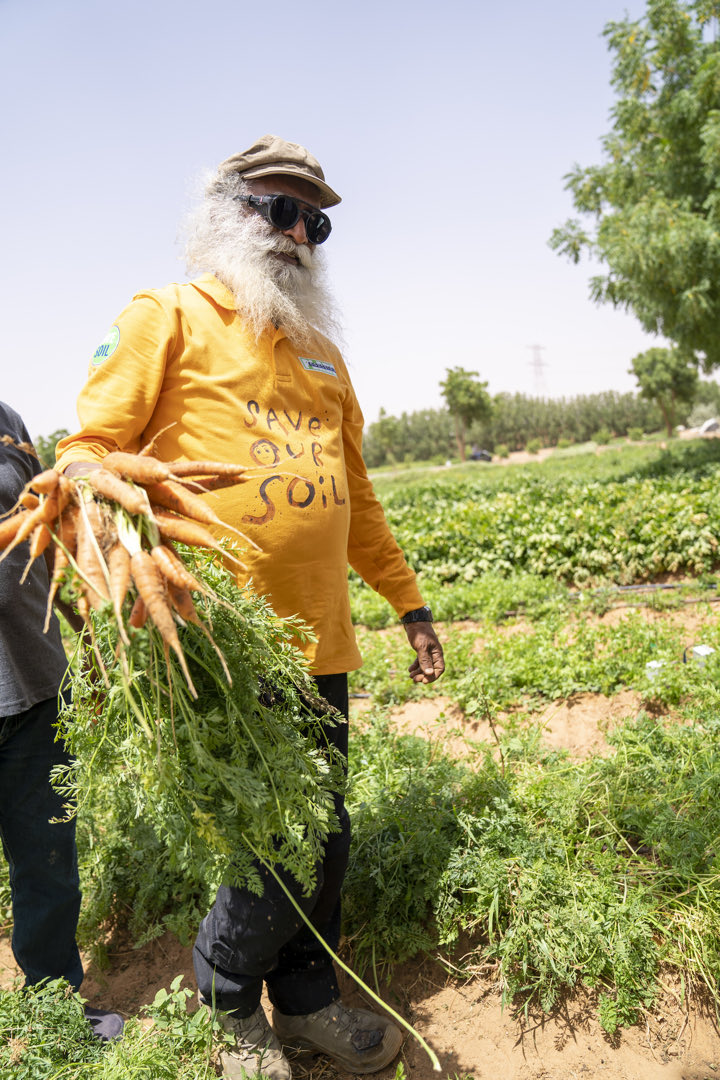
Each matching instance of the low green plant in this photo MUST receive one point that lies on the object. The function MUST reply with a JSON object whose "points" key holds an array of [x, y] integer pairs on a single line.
{"points": [[635, 434], [533, 446], [593, 873], [45, 1036], [502, 450], [602, 436]]}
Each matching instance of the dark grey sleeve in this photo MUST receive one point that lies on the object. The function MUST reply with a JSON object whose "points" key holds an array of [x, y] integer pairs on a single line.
{"points": [[32, 663]]}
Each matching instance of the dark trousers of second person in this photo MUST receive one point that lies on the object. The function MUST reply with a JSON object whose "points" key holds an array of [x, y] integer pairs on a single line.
{"points": [[41, 854], [247, 939]]}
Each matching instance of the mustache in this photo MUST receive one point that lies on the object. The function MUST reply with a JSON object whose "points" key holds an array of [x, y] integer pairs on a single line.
{"points": [[285, 245]]}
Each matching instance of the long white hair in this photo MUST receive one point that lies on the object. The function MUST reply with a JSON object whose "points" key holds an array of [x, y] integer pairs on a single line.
{"points": [[239, 247]]}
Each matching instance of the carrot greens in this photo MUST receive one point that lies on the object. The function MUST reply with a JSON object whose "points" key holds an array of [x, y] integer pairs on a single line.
{"points": [[242, 768]]}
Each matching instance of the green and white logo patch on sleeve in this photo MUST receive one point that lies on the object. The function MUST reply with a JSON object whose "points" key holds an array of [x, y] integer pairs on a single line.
{"points": [[107, 346], [317, 365]]}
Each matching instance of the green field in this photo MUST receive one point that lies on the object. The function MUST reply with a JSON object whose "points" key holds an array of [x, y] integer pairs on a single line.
{"points": [[564, 870]]}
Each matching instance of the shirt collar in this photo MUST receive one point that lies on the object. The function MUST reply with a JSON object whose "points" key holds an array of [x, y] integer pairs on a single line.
{"points": [[215, 290]]}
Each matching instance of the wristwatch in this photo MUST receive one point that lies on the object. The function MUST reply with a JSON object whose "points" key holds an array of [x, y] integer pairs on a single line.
{"points": [[418, 614]]}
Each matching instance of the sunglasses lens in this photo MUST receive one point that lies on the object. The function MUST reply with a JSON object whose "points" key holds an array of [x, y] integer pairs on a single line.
{"points": [[284, 212], [317, 227]]}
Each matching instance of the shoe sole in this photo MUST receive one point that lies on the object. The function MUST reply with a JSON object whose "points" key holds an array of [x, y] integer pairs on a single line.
{"points": [[394, 1042]]}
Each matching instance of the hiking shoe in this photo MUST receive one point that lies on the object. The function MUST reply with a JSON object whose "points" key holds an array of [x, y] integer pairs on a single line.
{"points": [[360, 1041], [104, 1025], [257, 1054]]}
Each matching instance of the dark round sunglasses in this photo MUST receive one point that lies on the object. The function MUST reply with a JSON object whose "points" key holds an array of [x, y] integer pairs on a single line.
{"points": [[283, 213]]}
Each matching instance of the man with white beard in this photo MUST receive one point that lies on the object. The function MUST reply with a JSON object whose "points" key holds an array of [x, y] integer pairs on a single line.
{"points": [[239, 365]]}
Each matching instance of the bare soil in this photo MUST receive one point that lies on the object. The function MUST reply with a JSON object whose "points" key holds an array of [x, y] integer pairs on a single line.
{"points": [[463, 1019]]}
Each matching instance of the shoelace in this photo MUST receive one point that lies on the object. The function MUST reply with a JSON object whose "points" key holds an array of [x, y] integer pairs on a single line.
{"points": [[343, 1020], [259, 1037], [339, 1017]]}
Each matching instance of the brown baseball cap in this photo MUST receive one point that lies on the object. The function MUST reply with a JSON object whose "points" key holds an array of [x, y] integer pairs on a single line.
{"points": [[271, 156]]}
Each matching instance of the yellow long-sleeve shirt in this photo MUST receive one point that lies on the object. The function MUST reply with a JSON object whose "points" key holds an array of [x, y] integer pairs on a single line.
{"points": [[182, 359]]}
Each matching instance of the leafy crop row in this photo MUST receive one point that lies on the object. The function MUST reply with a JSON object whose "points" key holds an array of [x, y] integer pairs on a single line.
{"points": [[623, 528]]}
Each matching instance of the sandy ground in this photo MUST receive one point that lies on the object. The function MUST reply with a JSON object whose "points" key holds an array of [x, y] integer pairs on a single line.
{"points": [[463, 1020]]}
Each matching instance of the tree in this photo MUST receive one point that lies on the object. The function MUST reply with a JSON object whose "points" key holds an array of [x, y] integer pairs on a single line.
{"points": [[656, 199], [467, 400], [668, 378], [45, 446]]}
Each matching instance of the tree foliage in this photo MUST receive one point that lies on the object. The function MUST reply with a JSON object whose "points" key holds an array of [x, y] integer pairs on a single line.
{"points": [[427, 435], [467, 400], [45, 446], [655, 200], [667, 377]]}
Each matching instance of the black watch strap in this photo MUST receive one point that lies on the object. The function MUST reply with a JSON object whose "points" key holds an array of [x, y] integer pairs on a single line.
{"points": [[419, 614]]}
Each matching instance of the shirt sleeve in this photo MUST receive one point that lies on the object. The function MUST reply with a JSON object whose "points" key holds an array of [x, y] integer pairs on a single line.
{"points": [[124, 382], [372, 549]]}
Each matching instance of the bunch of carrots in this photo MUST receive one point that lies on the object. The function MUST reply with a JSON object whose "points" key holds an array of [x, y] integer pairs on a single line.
{"points": [[113, 531]]}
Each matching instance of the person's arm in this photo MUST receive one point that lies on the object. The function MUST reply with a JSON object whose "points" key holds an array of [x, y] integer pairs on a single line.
{"points": [[374, 553], [120, 396]]}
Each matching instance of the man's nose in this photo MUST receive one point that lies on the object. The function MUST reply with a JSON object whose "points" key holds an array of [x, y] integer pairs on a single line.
{"points": [[298, 231]]}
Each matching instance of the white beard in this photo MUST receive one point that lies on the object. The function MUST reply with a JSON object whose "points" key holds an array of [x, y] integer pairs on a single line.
{"points": [[241, 250]]}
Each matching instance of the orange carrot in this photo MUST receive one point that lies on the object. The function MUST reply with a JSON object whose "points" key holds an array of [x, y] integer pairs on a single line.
{"points": [[183, 604], [149, 448], [28, 499], [205, 468], [93, 582], [138, 615], [118, 562], [111, 486], [174, 569], [10, 526], [185, 531], [149, 583], [40, 537], [44, 514], [211, 483], [39, 540], [143, 470], [45, 482], [175, 497], [61, 562], [27, 448], [83, 609], [67, 528], [182, 601]]}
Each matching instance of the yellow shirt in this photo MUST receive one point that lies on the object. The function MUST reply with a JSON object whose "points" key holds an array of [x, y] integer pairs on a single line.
{"points": [[181, 358]]}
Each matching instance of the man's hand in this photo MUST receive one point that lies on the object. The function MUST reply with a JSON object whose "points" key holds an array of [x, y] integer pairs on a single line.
{"points": [[429, 664]]}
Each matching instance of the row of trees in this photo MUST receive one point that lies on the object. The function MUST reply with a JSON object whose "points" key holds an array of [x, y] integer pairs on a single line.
{"points": [[513, 420]]}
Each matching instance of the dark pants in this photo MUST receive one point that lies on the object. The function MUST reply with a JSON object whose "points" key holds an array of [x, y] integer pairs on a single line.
{"points": [[246, 939], [44, 882]]}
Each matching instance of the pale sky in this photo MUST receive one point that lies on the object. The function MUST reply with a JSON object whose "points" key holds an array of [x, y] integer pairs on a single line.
{"points": [[446, 127]]}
